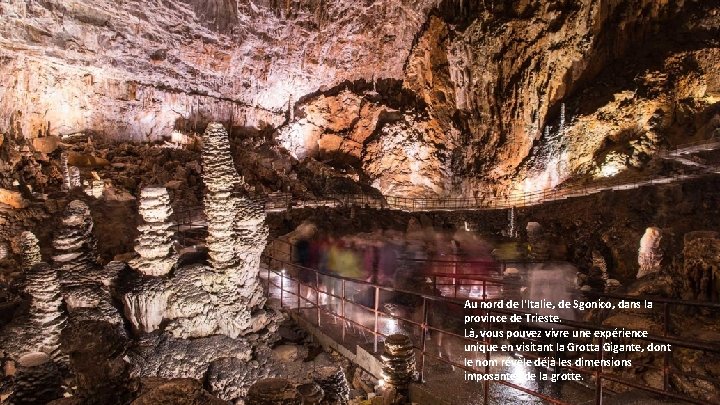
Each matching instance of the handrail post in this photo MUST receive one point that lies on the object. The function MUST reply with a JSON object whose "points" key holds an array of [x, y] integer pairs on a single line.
{"points": [[598, 376], [282, 282], [377, 304], [342, 310], [317, 296], [423, 338], [297, 283], [268, 278]]}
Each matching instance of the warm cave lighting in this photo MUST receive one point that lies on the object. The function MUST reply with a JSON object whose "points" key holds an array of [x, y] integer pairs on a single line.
{"points": [[477, 202], [609, 169]]}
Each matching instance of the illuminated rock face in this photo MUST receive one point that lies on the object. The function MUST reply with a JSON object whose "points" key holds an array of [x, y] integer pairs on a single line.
{"points": [[225, 298], [155, 243], [411, 158], [650, 254], [70, 66], [110, 76]]}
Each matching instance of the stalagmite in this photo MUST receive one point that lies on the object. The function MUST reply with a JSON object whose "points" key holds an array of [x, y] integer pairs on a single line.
{"points": [[74, 177], [74, 244], [84, 284], [226, 297], [64, 170], [155, 243], [40, 330], [333, 383], [45, 308], [221, 181], [398, 362], [30, 250], [38, 380], [649, 254]]}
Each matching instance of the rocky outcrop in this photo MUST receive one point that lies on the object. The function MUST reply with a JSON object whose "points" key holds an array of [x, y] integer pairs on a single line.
{"points": [[155, 243], [411, 158]]}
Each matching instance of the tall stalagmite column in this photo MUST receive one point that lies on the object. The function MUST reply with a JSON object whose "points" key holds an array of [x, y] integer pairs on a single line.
{"points": [[221, 180], [154, 245], [237, 234]]}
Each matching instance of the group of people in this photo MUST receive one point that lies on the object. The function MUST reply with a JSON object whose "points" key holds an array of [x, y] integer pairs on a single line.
{"points": [[371, 261], [391, 260]]}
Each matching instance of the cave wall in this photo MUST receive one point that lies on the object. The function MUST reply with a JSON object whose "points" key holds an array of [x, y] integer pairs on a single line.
{"points": [[131, 69], [426, 98]]}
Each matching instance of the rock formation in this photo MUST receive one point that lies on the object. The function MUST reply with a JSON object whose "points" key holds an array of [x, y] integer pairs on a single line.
{"points": [[65, 171], [42, 284], [74, 242], [85, 285], [398, 363], [155, 243], [650, 253], [40, 331], [207, 310], [38, 380], [30, 250], [225, 298], [74, 177], [221, 182], [702, 266], [334, 384]]}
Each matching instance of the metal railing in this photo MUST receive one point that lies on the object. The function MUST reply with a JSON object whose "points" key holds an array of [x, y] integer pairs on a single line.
{"points": [[293, 279], [278, 202], [333, 287]]}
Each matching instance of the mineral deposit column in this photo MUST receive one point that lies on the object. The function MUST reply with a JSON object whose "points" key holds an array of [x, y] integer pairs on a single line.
{"points": [[237, 232], [221, 180]]}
